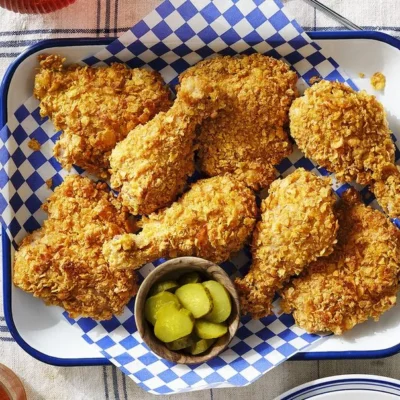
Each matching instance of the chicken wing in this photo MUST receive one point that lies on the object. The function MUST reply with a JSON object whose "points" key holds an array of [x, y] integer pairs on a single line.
{"points": [[96, 107], [357, 281], [212, 220], [247, 138], [347, 132], [298, 225], [62, 262], [151, 166]]}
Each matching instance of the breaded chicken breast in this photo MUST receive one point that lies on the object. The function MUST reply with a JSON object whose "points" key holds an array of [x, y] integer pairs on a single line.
{"points": [[247, 138], [298, 226], [62, 261], [151, 166], [347, 132], [357, 281], [95, 107], [212, 220]]}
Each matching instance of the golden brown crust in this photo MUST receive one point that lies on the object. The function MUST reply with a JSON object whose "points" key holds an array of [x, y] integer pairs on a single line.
{"points": [[151, 166], [387, 192], [298, 225], [342, 130], [62, 262], [246, 138], [96, 107], [357, 281], [212, 220]]}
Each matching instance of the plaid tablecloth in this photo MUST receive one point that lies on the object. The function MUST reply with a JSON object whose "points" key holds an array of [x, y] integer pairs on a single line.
{"points": [[99, 18]]}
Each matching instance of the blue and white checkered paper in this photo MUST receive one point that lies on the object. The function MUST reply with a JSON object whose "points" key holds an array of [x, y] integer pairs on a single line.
{"points": [[170, 39]]}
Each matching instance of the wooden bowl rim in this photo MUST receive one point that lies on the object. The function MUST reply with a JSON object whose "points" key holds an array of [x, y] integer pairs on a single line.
{"points": [[146, 331]]}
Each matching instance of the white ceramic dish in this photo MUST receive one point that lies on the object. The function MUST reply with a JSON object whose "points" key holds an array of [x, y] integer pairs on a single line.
{"points": [[45, 334], [346, 387]]}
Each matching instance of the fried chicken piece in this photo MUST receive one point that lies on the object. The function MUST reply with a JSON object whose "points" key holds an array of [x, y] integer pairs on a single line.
{"points": [[298, 225], [212, 220], [347, 132], [62, 261], [357, 281], [151, 166], [96, 107], [247, 138]]}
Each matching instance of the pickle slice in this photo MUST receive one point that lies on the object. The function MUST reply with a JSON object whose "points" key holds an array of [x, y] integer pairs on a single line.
{"points": [[169, 286], [190, 277], [209, 330], [181, 343], [221, 302], [195, 298], [200, 346], [173, 323], [154, 303]]}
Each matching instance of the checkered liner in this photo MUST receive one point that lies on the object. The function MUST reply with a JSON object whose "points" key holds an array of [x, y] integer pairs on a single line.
{"points": [[171, 38]]}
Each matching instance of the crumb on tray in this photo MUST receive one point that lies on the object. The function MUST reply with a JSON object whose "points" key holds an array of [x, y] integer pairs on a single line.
{"points": [[361, 74], [378, 81], [49, 183], [314, 79], [34, 145]]}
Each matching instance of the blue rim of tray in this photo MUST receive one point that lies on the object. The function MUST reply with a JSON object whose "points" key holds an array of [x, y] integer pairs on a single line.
{"points": [[6, 245], [330, 385]]}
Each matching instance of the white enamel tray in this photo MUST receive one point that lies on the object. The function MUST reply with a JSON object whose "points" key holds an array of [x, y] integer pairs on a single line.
{"points": [[45, 334]]}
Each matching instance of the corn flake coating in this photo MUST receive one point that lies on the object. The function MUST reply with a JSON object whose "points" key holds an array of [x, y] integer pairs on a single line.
{"points": [[387, 192], [247, 138], [343, 130], [95, 107], [298, 225], [62, 261], [212, 220], [357, 281]]}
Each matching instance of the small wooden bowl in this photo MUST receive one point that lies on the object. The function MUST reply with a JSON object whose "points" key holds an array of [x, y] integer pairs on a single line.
{"points": [[172, 269]]}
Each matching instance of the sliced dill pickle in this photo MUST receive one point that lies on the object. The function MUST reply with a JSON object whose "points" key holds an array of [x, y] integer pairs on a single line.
{"points": [[154, 303], [165, 286], [173, 323], [190, 277], [181, 343], [209, 330], [221, 302], [195, 298], [200, 346]]}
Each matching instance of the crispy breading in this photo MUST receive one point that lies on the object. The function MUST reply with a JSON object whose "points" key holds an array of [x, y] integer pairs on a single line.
{"points": [[347, 132], [96, 107], [212, 220], [357, 281], [247, 138], [62, 261], [387, 192], [151, 166], [298, 225]]}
